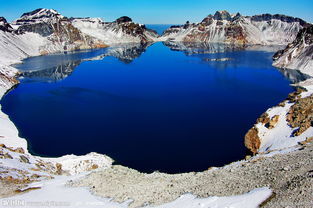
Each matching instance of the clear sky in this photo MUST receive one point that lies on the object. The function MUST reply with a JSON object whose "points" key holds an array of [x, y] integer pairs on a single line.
{"points": [[158, 11]]}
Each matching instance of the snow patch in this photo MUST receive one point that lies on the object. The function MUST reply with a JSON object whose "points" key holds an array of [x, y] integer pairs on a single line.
{"points": [[53, 192]]}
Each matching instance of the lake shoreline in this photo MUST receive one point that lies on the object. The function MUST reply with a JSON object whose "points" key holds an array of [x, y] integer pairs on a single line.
{"points": [[73, 164]]}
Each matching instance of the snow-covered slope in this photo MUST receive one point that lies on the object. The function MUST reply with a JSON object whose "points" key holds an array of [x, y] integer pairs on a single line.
{"points": [[291, 122], [222, 27], [122, 30], [298, 54]]}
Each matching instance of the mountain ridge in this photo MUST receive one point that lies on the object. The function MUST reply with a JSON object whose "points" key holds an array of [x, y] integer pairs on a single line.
{"points": [[222, 27]]}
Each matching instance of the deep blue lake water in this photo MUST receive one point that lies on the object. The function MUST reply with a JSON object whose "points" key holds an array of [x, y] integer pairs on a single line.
{"points": [[166, 107]]}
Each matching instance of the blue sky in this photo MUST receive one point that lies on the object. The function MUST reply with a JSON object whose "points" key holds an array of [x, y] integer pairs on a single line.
{"points": [[158, 11]]}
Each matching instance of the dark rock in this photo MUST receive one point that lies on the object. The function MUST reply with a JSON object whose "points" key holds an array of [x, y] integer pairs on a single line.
{"points": [[175, 26], [237, 16], [32, 12], [186, 25], [304, 35], [4, 25], [208, 20], [222, 15], [37, 16], [124, 19], [41, 28], [24, 159], [284, 18]]}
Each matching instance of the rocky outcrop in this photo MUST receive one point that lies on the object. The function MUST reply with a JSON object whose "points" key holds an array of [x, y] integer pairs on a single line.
{"points": [[300, 115], [4, 25], [123, 19], [223, 27], [252, 140], [298, 54]]}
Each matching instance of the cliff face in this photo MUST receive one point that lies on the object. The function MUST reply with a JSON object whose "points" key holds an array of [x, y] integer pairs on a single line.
{"points": [[223, 27], [122, 30], [58, 30], [298, 54]]}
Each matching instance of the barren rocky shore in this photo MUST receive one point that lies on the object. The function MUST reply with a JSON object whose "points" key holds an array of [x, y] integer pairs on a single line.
{"points": [[289, 175]]}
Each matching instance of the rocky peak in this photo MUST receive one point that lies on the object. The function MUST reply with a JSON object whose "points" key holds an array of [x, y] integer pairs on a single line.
{"points": [[235, 16], [4, 25], [38, 15], [222, 15], [208, 20], [123, 19]]}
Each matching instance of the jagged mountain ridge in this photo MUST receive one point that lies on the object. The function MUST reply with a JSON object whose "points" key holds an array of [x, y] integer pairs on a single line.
{"points": [[223, 27], [48, 21], [45, 31], [298, 54]]}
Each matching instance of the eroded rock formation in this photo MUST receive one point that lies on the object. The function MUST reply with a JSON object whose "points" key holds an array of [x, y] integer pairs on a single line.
{"points": [[223, 27]]}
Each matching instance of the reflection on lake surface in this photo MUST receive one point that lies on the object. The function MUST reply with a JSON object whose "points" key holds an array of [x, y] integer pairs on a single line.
{"points": [[171, 107]]}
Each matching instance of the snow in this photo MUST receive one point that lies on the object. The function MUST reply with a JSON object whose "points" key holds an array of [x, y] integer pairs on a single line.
{"points": [[55, 192], [110, 33], [42, 15], [79, 164], [280, 137], [297, 58], [256, 32]]}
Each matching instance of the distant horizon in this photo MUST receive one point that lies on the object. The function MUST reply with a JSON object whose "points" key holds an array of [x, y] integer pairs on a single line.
{"points": [[161, 12]]}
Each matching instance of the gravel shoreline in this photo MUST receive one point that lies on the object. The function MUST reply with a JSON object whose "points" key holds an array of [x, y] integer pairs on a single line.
{"points": [[289, 175]]}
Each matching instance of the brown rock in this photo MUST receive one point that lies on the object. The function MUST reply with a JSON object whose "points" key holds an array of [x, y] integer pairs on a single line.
{"points": [[306, 141], [273, 122], [6, 156], [252, 140], [94, 166], [58, 168], [264, 118], [19, 150], [300, 115]]}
